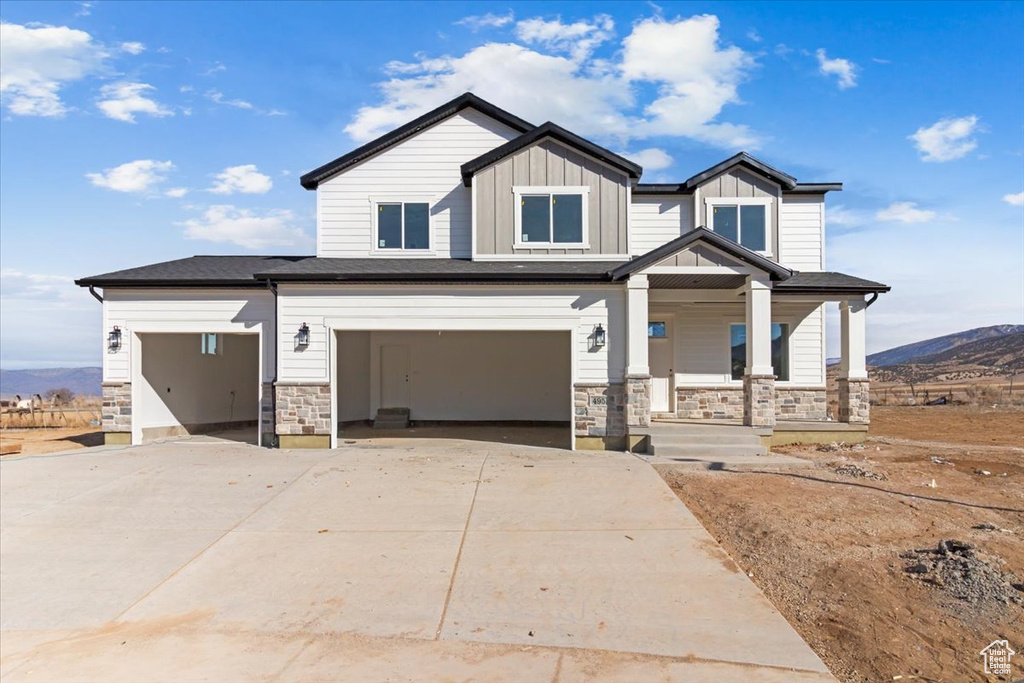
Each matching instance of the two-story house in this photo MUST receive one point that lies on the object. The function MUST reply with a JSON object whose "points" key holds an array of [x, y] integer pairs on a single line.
{"points": [[471, 266]]}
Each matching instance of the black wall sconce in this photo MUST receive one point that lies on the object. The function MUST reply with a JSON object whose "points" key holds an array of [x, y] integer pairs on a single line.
{"points": [[302, 341], [599, 337], [114, 340]]}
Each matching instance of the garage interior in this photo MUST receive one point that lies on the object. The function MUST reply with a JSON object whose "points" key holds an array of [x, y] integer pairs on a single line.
{"points": [[503, 386], [198, 384]]}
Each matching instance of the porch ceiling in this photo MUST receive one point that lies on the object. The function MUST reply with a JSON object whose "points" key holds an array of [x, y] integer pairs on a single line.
{"points": [[696, 281]]}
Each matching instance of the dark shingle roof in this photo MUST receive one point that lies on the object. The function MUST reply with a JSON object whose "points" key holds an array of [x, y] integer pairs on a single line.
{"points": [[828, 283], [439, 270], [468, 100], [555, 132], [218, 271]]}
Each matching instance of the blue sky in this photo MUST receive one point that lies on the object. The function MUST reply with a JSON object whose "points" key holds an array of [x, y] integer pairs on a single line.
{"points": [[132, 133]]}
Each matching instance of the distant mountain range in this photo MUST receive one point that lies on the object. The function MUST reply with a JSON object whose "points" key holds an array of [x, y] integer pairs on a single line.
{"points": [[82, 381], [982, 352], [919, 351]]}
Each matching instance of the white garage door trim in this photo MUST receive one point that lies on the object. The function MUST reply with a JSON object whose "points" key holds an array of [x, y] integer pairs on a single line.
{"points": [[553, 324], [135, 351]]}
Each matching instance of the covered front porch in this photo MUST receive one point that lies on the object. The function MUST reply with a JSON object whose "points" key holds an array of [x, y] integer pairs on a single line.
{"points": [[721, 335]]}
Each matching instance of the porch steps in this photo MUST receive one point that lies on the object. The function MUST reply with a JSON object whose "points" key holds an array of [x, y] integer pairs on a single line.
{"points": [[705, 442], [391, 418]]}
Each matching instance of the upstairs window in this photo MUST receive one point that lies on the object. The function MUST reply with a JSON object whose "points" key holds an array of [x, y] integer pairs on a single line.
{"points": [[554, 216], [402, 225], [742, 222]]}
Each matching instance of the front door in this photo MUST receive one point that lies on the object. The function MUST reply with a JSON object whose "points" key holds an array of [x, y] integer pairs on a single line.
{"points": [[659, 335], [394, 376]]}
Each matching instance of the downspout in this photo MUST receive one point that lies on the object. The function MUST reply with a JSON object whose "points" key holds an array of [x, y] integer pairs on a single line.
{"points": [[92, 290], [272, 288]]}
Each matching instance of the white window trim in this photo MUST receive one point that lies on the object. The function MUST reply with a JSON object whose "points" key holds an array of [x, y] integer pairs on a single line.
{"points": [[711, 202], [517, 197], [429, 200], [728, 352]]}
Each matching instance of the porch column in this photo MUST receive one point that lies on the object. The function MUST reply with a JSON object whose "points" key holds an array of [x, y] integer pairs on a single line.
{"points": [[638, 371], [854, 388], [758, 376]]}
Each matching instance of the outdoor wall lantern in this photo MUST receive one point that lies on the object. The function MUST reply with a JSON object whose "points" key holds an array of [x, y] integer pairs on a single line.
{"points": [[114, 340], [302, 341], [599, 337]]}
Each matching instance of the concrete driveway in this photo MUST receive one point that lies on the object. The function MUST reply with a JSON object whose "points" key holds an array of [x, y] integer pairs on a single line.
{"points": [[383, 560]]}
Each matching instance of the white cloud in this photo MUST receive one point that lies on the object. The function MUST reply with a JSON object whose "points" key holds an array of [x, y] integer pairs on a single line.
{"points": [[879, 60], [682, 60], [122, 101], [1014, 199], [947, 139], [753, 35], [652, 158], [905, 212], [578, 39], [185, 89], [176, 192], [844, 216], [217, 68], [245, 179], [20, 285], [133, 48], [246, 228], [134, 176], [37, 61], [84, 9], [218, 97], [482, 21], [843, 69]]}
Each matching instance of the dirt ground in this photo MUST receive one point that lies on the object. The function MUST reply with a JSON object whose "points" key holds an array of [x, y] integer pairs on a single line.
{"points": [[49, 440], [829, 544]]}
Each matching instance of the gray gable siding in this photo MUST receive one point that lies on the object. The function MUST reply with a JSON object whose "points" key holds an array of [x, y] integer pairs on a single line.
{"points": [[548, 163], [741, 183], [698, 255]]}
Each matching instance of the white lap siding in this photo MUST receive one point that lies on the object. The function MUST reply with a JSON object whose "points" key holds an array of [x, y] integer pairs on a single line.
{"points": [[427, 164], [522, 307], [653, 221], [802, 232], [702, 350], [169, 310]]}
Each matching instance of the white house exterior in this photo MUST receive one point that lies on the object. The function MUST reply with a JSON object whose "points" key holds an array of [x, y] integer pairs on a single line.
{"points": [[473, 267]]}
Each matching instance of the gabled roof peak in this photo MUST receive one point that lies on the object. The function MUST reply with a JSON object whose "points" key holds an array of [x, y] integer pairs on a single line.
{"points": [[555, 132], [467, 100], [787, 181]]}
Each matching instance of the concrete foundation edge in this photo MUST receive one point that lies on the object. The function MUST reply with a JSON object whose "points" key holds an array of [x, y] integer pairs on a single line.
{"points": [[117, 438], [303, 440], [783, 438], [633, 443]]}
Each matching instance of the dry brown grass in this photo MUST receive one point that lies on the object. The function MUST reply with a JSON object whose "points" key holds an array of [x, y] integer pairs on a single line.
{"points": [[83, 413]]}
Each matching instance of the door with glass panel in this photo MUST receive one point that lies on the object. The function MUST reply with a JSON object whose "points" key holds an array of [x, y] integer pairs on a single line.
{"points": [[660, 355]]}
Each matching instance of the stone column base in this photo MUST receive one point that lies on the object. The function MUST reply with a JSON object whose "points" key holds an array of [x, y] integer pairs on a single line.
{"points": [[854, 400], [759, 400], [303, 410], [599, 411], [638, 401], [117, 412]]}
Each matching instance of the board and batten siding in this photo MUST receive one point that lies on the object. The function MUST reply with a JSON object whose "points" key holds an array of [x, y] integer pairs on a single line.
{"points": [[740, 183], [446, 307], [702, 352], [802, 232], [653, 221], [427, 164], [548, 163], [185, 311]]}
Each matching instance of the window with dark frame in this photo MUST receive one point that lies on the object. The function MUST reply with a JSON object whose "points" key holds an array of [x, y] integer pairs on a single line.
{"points": [[551, 218], [657, 330], [208, 344], [745, 224], [780, 350], [403, 225]]}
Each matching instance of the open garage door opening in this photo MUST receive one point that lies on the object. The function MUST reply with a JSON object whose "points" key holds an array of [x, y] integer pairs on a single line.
{"points": [[201, 383], [502, 386]]}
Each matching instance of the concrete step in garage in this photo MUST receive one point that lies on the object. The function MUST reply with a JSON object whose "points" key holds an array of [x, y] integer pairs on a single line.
{"points": [[391, 418]]}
